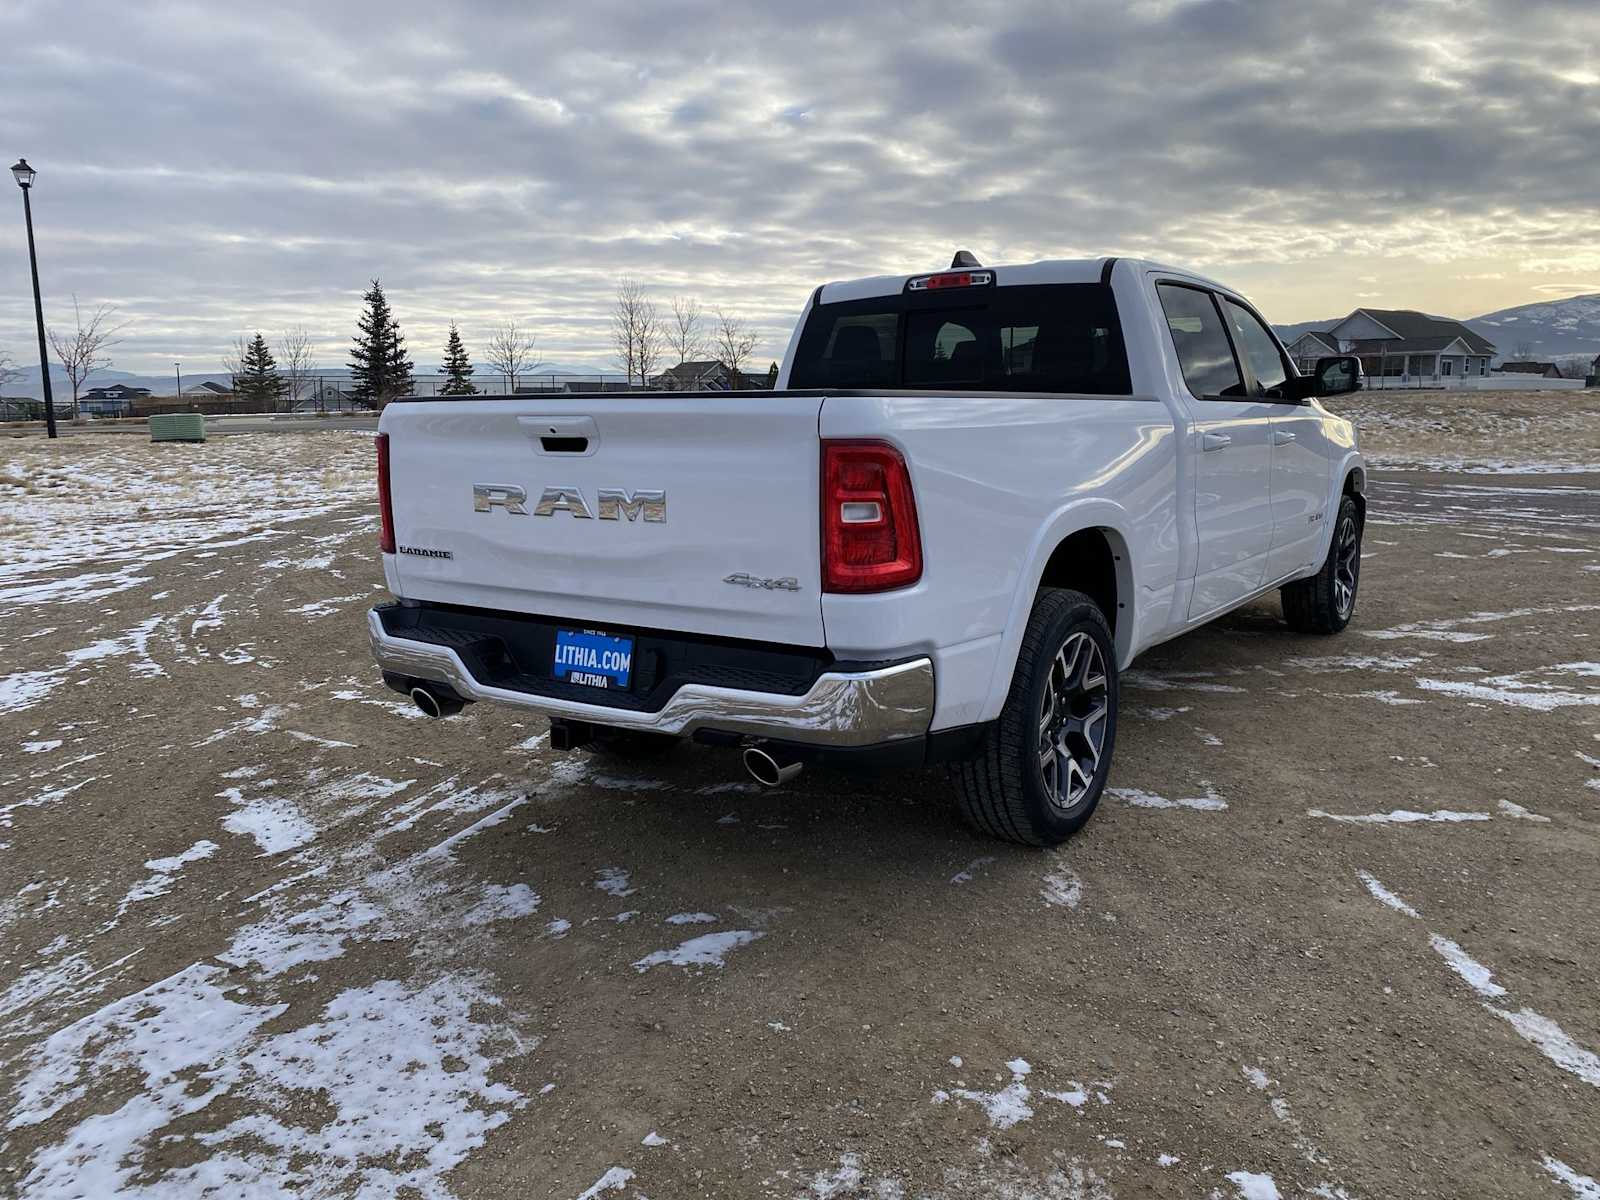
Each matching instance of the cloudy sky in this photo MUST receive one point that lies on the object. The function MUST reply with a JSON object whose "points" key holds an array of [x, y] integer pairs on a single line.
{"points": [[214, 169]]}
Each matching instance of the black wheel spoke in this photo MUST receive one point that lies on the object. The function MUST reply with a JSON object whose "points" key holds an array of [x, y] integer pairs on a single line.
{"points": [[1072, 721]]}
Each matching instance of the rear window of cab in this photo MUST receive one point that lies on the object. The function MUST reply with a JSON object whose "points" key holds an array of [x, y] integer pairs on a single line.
{"points": [[1036, 338]]}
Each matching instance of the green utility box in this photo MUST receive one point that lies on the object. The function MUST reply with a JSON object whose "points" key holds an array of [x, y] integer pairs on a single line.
{"points": [[178, 427]]}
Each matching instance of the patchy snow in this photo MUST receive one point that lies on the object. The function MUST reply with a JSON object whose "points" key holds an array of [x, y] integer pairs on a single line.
{"points": [[276, 824], [1525, 689], [23, 689], [559, 928], [502, 902], [1210, 802], [707, 950], [1254, 1186], [967, 873], [653, 1139], [614, 1180], [614, 881], [1554, 1043], [1357, 662], [165, 871], [1167, 1160], [40, 747], [1062, 887], [1400, 816], [1167, 681], [1583, 1187], [1519, 813], [1384, 896], [692, 918]]}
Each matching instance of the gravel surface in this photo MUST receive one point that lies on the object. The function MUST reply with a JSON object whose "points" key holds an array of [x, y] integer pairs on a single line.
{"points": [[263, 930]]}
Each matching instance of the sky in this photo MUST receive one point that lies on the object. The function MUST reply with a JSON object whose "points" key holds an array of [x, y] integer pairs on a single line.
{"points": [[216, 169]]}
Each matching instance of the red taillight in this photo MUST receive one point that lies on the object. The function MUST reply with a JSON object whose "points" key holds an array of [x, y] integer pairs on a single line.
{"points": [[385, 505], [870, 541]]}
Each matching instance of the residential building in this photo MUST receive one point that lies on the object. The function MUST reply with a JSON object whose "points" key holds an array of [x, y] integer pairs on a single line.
{"points": [[114, 400], [1400, 345], [1544, 370], [706, 376]]}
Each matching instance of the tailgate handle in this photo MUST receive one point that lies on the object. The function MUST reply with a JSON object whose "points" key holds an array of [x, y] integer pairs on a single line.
{"points": [[565, 435]]}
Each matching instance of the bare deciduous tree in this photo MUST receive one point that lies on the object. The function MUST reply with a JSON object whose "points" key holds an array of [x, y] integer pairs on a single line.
{"points": [[511, 352], [733, 343], [685, 333], [10, 373], [1522, 351], [233, 361], [82, 349], [636, 333], [297, 358]]}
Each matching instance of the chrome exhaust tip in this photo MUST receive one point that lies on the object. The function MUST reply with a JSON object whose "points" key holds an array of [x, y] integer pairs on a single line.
{"points": [[434, 704], [769, 770]]}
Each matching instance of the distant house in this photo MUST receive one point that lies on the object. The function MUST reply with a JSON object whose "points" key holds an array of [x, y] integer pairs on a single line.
{"points": [[328, 397], [1544, 370], [708, 376], [207, 391], [116, 400], [1400, 344]]}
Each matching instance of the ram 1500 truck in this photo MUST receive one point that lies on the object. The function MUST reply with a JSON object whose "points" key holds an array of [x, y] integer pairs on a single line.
{"points": [[974, 497]]}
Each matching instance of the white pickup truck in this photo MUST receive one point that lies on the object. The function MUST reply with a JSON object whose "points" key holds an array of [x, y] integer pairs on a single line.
{"points": [[974, 497]]}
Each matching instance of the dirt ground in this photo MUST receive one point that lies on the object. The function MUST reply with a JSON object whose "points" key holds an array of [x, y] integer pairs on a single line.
{"points": [[264, 931]]}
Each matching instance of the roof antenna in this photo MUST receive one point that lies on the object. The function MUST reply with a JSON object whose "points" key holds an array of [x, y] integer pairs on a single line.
{"points": [[964, 260]]}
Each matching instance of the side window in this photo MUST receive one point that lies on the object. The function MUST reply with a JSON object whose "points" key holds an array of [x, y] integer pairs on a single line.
{"points": [[1201, 342], [1259, 347]]}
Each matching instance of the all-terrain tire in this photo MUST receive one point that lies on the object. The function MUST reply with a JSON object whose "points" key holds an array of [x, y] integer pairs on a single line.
{"points": [[1326, 601], [629, 745], [1004, 790]]}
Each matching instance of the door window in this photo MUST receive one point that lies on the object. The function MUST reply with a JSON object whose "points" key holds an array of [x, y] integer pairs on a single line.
{"points": [[1260, 348], [1202, 344]]}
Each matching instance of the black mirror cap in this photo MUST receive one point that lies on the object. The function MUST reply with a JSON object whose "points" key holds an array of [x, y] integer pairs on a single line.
{"points": [[1338, 375]]}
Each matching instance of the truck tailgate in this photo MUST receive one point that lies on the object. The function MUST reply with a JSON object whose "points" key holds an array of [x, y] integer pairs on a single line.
{"points": [[540, 505]]}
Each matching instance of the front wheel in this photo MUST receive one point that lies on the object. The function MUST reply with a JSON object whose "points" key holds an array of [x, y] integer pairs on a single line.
{"points": [[1325, 602], [1039, 775]]}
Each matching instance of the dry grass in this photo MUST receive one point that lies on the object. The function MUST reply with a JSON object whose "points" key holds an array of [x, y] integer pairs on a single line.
{"points": [[1545, 429]]}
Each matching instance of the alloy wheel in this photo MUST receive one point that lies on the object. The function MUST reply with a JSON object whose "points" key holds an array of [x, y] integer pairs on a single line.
{"points": [[1072, 721], [1346, 555]]}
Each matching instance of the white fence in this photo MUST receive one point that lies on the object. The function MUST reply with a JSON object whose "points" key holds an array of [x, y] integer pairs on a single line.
{"points": [[1472, 383]]}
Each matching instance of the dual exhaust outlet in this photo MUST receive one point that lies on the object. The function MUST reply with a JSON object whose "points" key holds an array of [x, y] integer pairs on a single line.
{"points": [[768, 767]]}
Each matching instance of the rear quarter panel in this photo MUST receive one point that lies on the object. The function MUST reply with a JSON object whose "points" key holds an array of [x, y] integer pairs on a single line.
{"points": [[999, 482]]}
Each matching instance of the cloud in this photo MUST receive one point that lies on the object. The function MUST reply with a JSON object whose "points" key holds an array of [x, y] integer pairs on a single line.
{"points": [[214, 171]]}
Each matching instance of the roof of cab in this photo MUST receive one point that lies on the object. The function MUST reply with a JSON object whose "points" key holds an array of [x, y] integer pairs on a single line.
{"points": [[1059, 270]]}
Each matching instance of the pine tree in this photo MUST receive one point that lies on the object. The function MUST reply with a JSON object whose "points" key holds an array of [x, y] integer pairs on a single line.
{"points": [[457, 367], [258, 380], [379, 368]]}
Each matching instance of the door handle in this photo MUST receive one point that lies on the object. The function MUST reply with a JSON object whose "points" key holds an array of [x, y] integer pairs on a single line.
{"points": [[1281, 437], [1215, 441]]}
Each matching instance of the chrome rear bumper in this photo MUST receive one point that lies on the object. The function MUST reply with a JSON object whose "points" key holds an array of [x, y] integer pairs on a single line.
{"points": [[841, 708]]}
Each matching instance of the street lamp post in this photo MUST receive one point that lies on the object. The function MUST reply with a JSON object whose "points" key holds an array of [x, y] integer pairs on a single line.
{"points": [[178, 367], [24, 174]]}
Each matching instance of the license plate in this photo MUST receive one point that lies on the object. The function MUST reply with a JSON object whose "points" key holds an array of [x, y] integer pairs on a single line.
{"points": [[596, 659]]}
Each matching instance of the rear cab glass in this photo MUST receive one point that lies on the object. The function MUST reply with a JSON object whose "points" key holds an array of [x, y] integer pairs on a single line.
{"points": [[1063, 337]]}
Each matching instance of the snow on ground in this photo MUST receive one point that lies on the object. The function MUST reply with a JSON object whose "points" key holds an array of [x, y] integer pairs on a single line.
{"points": [[707, 950], [124, 504], [1545, 1035], [1139, 798]]}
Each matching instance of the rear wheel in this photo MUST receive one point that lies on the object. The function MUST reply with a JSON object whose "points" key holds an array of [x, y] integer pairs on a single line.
{"points": [[1325, 602], [1040, 773]]}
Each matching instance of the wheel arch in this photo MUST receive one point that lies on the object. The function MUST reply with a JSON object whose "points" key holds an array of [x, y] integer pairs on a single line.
{"points": [[1085, 547]]}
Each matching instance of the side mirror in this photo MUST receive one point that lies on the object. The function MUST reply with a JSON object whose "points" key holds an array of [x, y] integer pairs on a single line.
{"points": [[1338, 375]]}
